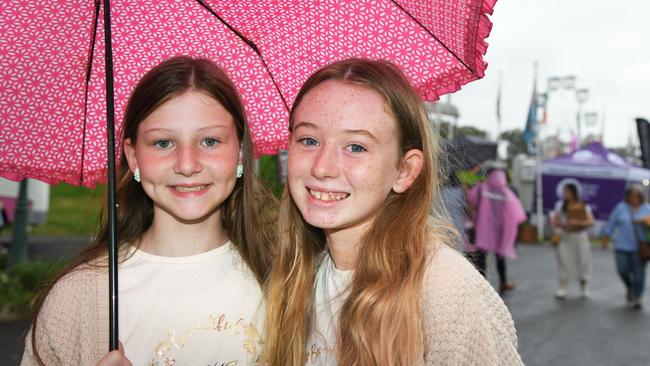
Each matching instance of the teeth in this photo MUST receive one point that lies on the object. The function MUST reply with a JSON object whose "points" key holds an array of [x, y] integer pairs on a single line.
{"points": [[328, 196], [189, 189]]}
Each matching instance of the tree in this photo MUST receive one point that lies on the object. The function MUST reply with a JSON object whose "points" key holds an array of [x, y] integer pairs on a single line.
{"points": [[471, 131], [516, 143]]}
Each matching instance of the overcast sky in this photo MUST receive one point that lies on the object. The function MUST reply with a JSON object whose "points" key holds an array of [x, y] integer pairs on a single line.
{"points": [[605, 44]]}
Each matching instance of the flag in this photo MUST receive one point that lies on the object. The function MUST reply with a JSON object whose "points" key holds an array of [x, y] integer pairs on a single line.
{"points": [[530, 132]]}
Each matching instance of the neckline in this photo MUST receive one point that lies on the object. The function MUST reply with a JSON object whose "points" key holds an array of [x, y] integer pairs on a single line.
{"points": [[222, 249]]}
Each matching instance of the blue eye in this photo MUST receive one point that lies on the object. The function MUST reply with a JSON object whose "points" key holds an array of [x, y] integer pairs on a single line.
{"points": [[356, 148], [163, 144], [210, 142], [308, 141]]}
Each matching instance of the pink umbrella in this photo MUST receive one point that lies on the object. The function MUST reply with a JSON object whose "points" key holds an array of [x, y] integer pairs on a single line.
{"points": [[53, 80], [52, 86]]}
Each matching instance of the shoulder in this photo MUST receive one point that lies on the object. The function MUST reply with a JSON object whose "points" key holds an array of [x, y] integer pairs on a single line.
{"points": [[450, 278], [68, 321], [464, 320], [645, 209], [74, 294]]}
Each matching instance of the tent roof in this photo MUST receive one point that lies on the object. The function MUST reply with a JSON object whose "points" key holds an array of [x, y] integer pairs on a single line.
{"points": [[594, 154], [595, 161]]}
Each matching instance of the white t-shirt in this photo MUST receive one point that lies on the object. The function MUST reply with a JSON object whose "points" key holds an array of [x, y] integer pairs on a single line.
{"points": [[204, 309], [332, 289]]}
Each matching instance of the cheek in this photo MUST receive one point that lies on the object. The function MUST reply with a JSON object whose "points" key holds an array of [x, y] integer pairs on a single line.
{"points": [[297, 164], [150, 164], [376, 176]]}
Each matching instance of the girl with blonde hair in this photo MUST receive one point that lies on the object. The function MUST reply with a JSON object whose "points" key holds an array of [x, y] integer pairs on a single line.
{"points": [[365, 274]]}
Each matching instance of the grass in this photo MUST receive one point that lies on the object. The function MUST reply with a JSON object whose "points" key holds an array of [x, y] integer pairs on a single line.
{"points": [[73, 211]]}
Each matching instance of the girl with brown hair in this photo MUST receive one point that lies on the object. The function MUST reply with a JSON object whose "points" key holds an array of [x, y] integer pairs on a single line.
{"points": [[365, 274], [194, 236]]}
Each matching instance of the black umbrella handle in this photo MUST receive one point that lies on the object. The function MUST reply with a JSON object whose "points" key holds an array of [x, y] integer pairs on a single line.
{"points": [[112, 197]]}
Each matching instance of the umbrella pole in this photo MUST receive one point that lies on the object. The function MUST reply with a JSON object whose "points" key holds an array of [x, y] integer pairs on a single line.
{"points": [[112, 197]]}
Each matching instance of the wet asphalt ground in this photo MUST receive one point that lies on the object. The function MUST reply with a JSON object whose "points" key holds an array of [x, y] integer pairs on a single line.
{"points": [[600, 330]]}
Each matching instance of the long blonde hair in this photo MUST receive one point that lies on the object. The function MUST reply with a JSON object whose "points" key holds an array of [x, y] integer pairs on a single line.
{"points": [[380, 322]]}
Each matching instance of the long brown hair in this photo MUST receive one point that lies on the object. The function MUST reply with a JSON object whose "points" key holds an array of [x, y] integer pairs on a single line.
{"points": [[247, 214], [379, 322]]}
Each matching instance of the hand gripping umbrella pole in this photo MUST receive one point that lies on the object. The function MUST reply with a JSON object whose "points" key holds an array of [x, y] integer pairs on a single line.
{"points": [[112, 196]]}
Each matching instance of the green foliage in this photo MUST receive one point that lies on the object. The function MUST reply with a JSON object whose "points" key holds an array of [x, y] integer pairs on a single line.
{"points": [[19, 286], [73, 211], [516, 143], [468, 178], [471, 131], [269, 174]]}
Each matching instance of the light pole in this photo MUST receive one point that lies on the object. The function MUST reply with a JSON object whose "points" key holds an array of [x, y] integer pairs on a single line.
{"points": [[542, 98], [581, 95]]}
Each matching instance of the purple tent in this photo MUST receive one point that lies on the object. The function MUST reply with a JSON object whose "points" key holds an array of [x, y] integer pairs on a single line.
{"points": [[600, 175]]}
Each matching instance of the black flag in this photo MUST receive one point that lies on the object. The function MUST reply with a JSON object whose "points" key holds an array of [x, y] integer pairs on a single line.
{"points": [[643, 128]]}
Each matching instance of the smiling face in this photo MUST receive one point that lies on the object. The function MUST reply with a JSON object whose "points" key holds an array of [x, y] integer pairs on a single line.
{"points": [[344, 156], [187, 151]]}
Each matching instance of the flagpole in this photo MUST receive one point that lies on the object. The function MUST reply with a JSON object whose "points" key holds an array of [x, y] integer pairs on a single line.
{"points": [[539, 150], [499, 108]]}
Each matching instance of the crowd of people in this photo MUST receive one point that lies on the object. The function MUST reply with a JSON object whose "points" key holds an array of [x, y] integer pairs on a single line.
{"points": [[488, 214]]}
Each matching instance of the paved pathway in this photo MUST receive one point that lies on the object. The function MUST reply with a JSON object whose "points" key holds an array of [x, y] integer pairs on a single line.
{"points": [[573, 332], [598, 331]]}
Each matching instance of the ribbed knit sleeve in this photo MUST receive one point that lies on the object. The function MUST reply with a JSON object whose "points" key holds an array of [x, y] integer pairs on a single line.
{"points": [[67, 331], [465, 321]]}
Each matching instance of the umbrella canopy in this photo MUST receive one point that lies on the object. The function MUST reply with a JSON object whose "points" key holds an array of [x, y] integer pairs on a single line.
{"points": [[52, 88]]}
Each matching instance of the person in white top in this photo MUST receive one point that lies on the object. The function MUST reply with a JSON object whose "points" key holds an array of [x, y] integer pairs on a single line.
{"points": [[571, 218], [365, 272], [193, 251]]}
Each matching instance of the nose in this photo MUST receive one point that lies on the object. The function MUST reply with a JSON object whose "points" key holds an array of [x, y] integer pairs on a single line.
{"points": [[326, 163], [188, 161]]}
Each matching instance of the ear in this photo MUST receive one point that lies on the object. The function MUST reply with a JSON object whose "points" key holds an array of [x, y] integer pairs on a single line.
{"points": [[129, 152], [409, 169], [241, 154]]}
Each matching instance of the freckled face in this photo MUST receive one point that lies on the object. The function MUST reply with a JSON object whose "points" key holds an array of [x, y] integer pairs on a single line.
{"points": [[343, 155], [187, 151]]}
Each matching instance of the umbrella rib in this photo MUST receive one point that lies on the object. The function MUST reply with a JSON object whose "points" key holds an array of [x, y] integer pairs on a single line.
{"points": [[89, 65], [432, 35], [251, 44]]}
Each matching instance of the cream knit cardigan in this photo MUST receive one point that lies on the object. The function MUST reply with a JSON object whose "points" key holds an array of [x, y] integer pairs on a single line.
{"points": [[465, 322]]}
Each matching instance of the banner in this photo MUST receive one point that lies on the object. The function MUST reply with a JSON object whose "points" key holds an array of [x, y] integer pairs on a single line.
{"points": [[643, 128]]}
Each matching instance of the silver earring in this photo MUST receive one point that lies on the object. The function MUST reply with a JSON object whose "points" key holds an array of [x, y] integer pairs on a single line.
{"points": [[136, 175], [240, 170]]}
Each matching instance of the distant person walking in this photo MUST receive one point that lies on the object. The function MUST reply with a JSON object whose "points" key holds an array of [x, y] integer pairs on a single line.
{"points": [[621, 226], [571, 218], [498, 213]]}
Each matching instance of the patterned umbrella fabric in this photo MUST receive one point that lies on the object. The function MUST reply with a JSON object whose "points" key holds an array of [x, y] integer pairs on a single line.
{"points": [[52, 89]]}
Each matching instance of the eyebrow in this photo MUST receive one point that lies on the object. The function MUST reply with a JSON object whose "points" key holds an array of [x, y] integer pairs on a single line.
{"points": [[362, 132], [160, 129], [305, 124], [349, 132]]}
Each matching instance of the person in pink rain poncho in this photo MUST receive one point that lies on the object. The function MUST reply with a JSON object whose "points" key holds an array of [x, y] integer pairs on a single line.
{"points": [[498, 213]]}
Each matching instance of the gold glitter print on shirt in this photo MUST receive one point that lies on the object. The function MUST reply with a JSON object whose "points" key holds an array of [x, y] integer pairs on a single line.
{"points": [[166, 351]]}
